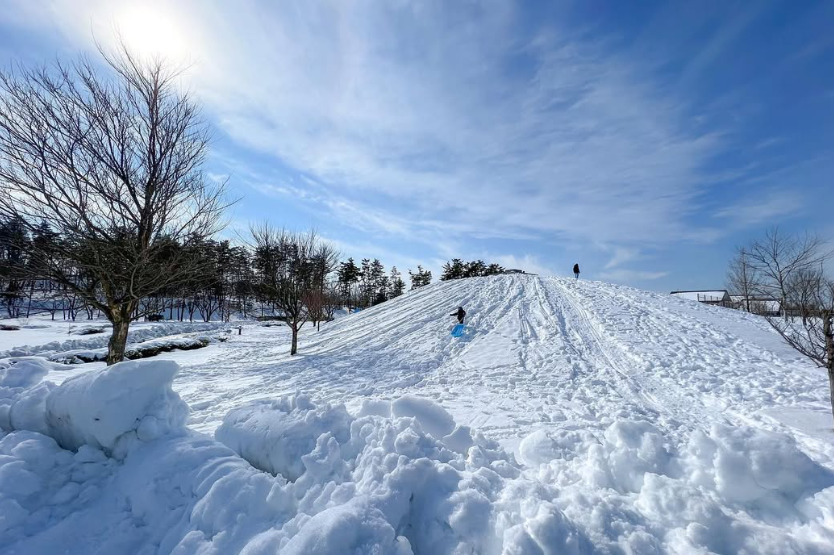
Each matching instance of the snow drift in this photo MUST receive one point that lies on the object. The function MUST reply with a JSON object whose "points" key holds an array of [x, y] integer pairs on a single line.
{"points": [[108, 409], [298, 477], [112, 408]]}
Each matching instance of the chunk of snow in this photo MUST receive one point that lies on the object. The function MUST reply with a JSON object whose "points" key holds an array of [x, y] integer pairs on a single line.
{"points": [[22, 373], [274, 435], [111, 408], [28, 412], [375, 407], [459, 440], [355, 527], [17, 377], [432, 417]]}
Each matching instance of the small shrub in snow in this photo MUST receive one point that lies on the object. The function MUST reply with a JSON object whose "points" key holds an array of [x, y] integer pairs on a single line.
{"points": [[89, 331]]}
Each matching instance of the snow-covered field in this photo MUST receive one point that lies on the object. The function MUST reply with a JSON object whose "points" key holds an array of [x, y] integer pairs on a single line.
{"points": [[573, 417]]}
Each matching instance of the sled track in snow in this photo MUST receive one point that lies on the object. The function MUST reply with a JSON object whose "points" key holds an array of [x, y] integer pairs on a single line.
{"points": [[538, 353], [666, 399]]}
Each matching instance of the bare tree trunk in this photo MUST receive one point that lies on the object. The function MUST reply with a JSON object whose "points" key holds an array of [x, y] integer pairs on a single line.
{"points": [[118, 340], [294, 347], [828, 332]]}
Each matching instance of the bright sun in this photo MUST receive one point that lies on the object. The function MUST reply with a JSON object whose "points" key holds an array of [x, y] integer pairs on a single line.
{"points": [[151, 31]]}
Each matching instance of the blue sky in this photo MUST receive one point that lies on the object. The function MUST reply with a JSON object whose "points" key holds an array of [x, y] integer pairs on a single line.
{"points": [[643, 140]]}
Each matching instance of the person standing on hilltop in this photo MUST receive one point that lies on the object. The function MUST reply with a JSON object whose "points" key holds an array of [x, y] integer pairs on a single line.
{"points": [[576, 270]]}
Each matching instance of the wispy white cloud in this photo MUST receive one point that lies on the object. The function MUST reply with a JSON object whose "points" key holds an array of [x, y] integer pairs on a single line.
{"points": [[448, 109], [529, 263], [631, 276], [769, 207], [769, 142], [371, 250], [621, 256]]}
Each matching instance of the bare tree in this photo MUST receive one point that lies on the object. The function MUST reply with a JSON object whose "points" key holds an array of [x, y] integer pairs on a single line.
{"points": [[742, 277], [779, 258], [112, 162], [804, 292], [813, 335], [325, 261], [332, 300], [289, 272], [315, 301], [792, 268]]}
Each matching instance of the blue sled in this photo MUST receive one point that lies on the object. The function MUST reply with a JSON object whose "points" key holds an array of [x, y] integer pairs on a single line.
{"points": [[458, 330]]}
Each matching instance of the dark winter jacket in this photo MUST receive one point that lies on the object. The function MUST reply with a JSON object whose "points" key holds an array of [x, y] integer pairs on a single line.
{"points": [[461, 314], [576, 268]]}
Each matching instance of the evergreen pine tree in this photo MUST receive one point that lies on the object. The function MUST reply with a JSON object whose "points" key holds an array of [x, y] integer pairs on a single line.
{"points": [[494, 270], [420, 278], [366, 283], [396, 284], [452, 270], [379, 281], [347, 276]]}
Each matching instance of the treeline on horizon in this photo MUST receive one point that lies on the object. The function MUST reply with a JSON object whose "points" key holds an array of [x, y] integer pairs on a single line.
{"points": [[225, 279], [456, 268]]}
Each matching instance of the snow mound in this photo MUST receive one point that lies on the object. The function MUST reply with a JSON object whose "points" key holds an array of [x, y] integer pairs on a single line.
{"points": [[734, 489], [369, 484], [41, 484], [321, 480], [22, 395], [22, 373], [432, 417], [381, 484], [274, 435], [112, 408]]}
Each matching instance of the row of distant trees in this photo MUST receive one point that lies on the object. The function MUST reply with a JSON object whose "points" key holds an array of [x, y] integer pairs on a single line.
{"points": [[792, 270], [457, 269], [293, 276], [105, 208]]}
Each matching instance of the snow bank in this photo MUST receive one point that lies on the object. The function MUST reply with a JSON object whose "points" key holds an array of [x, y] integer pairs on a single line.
{"points": [[108, 409], [145, 349], [378, 483], [733, 489], [324, 481], [139, 332], [111, 408], [22, 395], [274, 435], [42, 484], [367, 485]]}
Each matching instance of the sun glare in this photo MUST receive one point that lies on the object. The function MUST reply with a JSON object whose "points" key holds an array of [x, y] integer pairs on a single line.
{"points": [[151, 31]]}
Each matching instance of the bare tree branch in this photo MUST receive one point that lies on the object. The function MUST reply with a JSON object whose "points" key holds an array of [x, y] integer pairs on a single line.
{"points": [[113, 163]]}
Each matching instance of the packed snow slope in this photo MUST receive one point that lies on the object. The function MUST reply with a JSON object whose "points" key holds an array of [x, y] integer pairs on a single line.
{"points": [[572, 417], [538, 352]]}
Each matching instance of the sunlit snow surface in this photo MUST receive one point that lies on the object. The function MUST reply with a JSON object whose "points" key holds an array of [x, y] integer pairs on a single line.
{"points": [[574, 417]]}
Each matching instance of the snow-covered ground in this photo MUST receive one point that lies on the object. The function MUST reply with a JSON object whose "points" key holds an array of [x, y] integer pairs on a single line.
{"points": [[573, 417], [42, 336]]}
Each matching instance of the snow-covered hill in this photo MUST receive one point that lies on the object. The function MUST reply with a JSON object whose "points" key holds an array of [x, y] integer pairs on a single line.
{"points": [[538, 352], [572, 417]]}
